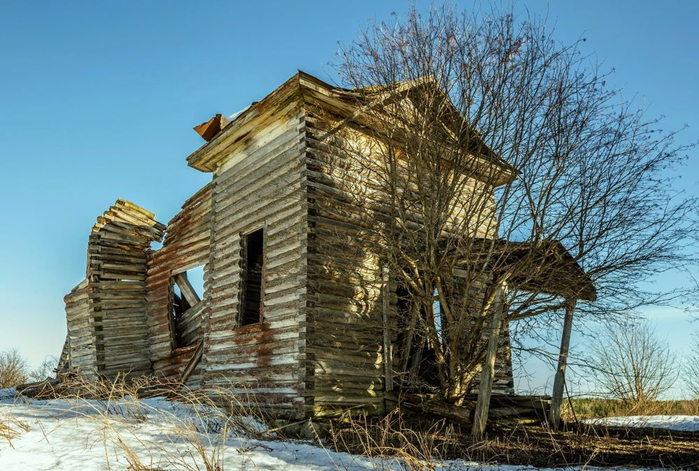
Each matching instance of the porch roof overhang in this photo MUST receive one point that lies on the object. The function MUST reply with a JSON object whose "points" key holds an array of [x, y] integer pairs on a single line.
{"points": [[545, 267]]}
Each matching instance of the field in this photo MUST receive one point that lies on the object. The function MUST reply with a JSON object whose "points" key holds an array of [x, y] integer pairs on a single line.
{"points": [[115, 429]]}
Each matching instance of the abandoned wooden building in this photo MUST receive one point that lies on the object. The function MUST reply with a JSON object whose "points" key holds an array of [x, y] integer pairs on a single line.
{"points": [[288, 311]]}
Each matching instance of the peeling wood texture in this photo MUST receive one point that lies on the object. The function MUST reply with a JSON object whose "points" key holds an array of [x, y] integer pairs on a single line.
{"points": [[186, 246], [107, 329], [328, 310], [259, 183]]}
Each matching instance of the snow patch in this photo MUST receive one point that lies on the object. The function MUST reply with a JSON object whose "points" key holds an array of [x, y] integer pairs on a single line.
{"points": [[681, 423], [161, 434], [8, 394]]}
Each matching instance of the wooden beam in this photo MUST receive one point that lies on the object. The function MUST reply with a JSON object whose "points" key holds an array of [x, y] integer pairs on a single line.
{"points": [[559, 381], [192, 364], [387, 353], [186, 288], [437, 409], [480, 416]]}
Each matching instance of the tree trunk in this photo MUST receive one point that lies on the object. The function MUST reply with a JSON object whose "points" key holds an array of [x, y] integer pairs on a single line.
{"points": [[559, 381], [480, 416]]}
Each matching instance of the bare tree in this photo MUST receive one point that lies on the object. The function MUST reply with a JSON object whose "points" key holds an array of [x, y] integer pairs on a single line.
{"points": [[691, 369], [13, 369], [493, 157], [47, 369], [632, 364]]}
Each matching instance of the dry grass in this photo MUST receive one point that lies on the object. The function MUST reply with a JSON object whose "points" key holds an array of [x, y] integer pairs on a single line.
{"points": [[199, 423], [587, 408], [422, 444], [11, 428], [591, 445], [208, 418], [415, 443]]}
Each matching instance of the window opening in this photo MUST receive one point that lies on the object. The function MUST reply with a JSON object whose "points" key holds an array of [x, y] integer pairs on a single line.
{"points": [[251, 311], [185, 296]]}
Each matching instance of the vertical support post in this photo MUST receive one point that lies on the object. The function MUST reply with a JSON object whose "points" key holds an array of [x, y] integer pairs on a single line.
{"points": [[480, 416], [559, 380], [387, 349]]}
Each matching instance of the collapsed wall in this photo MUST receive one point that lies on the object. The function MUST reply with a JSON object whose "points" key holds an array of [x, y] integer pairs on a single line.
{"points": [[175, 294], [106, 312]]}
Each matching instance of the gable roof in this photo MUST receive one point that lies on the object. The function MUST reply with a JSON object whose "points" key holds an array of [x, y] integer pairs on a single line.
{"points": [[350, 103]]}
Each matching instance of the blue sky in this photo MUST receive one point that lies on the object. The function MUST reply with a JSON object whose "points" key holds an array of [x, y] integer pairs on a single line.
{"points": [[97, 102]]}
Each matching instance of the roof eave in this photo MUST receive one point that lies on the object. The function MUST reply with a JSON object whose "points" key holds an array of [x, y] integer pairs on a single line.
{"points": [[202, 158]]}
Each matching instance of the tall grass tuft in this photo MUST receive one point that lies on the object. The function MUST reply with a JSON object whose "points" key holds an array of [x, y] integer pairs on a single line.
{"points": [[199, 423], [11, 428]]}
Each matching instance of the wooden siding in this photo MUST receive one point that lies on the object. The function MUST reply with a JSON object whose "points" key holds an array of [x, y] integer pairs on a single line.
{"points": [[186, 246], [259, 182], [107, 327], [503, 381], [345, 328], [82, 353]]}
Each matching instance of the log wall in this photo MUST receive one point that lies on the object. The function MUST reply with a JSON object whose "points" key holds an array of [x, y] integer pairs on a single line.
{"points": [[82, 352], [186, 246], [346, 354], [345, 325], [259, 183], [107, 327]]}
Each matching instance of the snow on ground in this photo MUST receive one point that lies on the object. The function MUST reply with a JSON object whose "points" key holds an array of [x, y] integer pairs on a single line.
{"points": [[161, 435], [683, 423]]}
